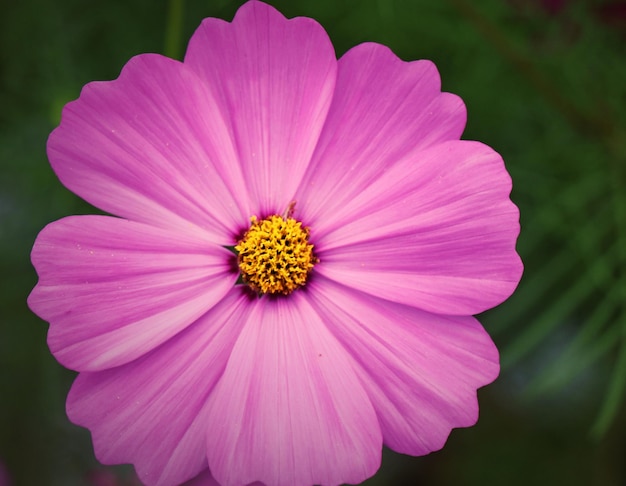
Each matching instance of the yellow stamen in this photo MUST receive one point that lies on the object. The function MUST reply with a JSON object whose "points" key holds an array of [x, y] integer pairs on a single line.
{"points": [[275, 256]]}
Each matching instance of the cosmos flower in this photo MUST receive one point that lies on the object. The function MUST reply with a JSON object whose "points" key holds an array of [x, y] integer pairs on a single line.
{"points": [[296, 247]]}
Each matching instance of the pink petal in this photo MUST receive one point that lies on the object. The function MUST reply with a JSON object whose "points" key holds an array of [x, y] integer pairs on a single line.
{"points": [[153, 146], [383, 108], [437, 231], [420, 370], [275, 78], [205, 478], [289, 409], [113, 289], [152, 412]]}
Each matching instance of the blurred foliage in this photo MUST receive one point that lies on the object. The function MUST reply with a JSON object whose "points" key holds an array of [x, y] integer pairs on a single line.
{"points": [[545, 85]]}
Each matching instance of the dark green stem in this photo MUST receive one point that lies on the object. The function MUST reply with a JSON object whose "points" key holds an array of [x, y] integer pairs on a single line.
{"points": [[173, 29]]}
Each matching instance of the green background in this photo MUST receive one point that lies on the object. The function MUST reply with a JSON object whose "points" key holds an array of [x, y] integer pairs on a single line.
{"points": [[545, 85]]}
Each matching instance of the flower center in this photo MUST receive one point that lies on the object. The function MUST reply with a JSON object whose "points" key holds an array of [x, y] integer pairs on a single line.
{"points": [[275, 256]]}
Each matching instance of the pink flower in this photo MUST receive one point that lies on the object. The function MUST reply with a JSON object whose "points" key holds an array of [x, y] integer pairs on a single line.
{"points": [[367, 235]]}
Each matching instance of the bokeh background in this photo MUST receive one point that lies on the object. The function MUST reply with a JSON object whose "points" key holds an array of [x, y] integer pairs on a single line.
{"points": [[545, 85]]}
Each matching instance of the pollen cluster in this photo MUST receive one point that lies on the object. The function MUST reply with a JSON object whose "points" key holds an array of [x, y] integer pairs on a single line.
{"points": [[275, 256]]}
